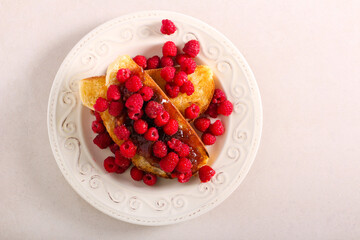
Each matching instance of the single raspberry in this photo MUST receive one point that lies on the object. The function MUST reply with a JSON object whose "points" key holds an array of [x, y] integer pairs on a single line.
{"points": [[103, 140], [140, 60], [167, 27], [172, 90], [109, 165], [217, 128], [153, 62], [115, 108], [188, 88], [169, 49], [136, 174], [121, 161], [206, 173], [162, 119], [188, 65], [181, 57], [128, 149], [113, 93], [153, 109], [202, 124], [168, 73], [140, 126], [149, 179], [133, 84], [171, 127], [208, 139], [151, 134], [192, 111], [184, 150], [180, 78], [122, 132], [101, 104], [97, 116], [219, 96], [192, 48], [159, 149], [184, 165], [97, 127], [135, 115], [169, 162], [212, 110], [120, 170], [114, 147], [135, 102], [123, 74], [167, 62], [184, 177], [146, 93], [175, 144], [225, 108]]}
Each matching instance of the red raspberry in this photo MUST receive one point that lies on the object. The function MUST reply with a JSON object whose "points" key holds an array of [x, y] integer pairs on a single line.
{"points": [[128, 149], [181, 57], [217, 128], [192, 48], [184, 177], [135, 102], [122, 132], [212, 110], [97, 127], [202, 124], [225, 108], [149, 179], [171, 127], [97, 116], [146, 93], [169, 49], [101, 104], [135, 115], [153, 109], [115, 108], [122, 161], [140, 60], [206, 173], [192, 112], [133, 84], [172, 90], [167, 62], [188, 88], [188, 65], [123, 74], [109, 165], [103, 140], [208, 139], [153, 62], [151, 134], [219, 96], [113, 93], [167, 27], [162, 119], [184, 165], [175, 144], [169, 162], [184, 150], [120, 170], [140, 126], [159, 149], [136, 174], [180, 78], [168, 73], [114, 147]]}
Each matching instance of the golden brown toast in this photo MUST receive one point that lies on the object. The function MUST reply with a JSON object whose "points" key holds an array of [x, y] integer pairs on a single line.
{"points": [[90, 91]]}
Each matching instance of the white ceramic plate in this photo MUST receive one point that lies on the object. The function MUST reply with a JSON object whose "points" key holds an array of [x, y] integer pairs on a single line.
{"points": [[69, 123]]}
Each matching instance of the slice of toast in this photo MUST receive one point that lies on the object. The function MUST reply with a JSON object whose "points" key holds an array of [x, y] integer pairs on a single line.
{"points": [[198, 154]]}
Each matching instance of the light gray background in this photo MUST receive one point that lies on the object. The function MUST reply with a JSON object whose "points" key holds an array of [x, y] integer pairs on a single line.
{"points": [[305, 181]]}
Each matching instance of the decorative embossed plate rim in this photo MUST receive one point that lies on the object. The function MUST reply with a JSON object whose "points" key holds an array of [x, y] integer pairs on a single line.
{"points": [[69, 144]]}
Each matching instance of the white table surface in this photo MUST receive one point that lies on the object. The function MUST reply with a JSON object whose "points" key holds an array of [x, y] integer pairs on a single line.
{"points": [[305, 181]]}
